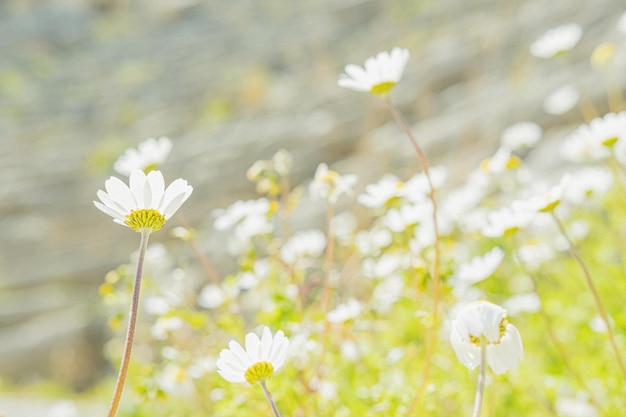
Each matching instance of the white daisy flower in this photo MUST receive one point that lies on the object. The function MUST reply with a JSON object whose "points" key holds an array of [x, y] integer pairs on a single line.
{"points": [[329, 185], [595, 140], [257, 362], [556, 41], [344, 312], [561, 100], [547, 201], [483, 323], [382, 192], [521, 135], [575, 407], [379, 75], [588, 183], [146, 204], [506, 220], [148, 155], [480, 267], [309, 243], [503, 160]]}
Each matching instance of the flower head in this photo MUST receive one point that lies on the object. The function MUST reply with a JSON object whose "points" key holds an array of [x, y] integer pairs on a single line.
{"points": [[561, 100], [483, 323], [521, 135], [257, 362], [149, 155], [330, 185], [595, 140], [379, 75], [146, 204], [556, 41]]}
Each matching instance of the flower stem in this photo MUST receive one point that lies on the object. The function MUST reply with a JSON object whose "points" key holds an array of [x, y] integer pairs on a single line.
{"points": [[478, 400], [596, 296], [432, 331], [130, 331], [268, 395]]}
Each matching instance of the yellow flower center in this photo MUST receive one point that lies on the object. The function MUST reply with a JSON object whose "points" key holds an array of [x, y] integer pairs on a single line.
{"points": [[143, 219], [150, 167], [259, 371], [550, 206], [609, 142], [502, 327], [382, 88]]}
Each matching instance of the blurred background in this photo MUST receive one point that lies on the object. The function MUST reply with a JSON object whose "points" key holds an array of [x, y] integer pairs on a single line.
{"points": [[231, 82]]}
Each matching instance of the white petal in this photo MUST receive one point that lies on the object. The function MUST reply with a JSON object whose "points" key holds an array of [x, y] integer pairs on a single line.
{"points": [[107, 210], [266, 345], [252, 347], [157, 189], [137, 183], [120, 193]]}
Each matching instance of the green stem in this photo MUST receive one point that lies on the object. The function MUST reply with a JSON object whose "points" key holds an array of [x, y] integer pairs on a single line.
{"points": [[432, 331], [130, 331], [596, 296], [478, 399], [268, 395]]}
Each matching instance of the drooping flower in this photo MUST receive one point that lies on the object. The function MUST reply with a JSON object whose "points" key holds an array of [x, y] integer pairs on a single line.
{"points": [[329, 185], [379, 74], [145, 204], [148, 155], [483, 323], [556, 41], [257, 362]]}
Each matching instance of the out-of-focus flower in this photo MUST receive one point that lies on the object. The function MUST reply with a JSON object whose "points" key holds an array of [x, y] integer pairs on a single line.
{"points": [[603, 54], [479, 267], [595, 140], [506, 220], [521, 135], [522, 303], [534, 253], [587, 183], [547, 201], [175, 379], [575, 407], [148, 155], [381, 193], [146, 205], [63, 408], [247, 219], [309, 243], [329, 185], [164, 325], [379, 74], [344, 312], [561, 100], [502, 160], [211, 296], [556, 41], [260, 359], [371, 242], [482, 323]]}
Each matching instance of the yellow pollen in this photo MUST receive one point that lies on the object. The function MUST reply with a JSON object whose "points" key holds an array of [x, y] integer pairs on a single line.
{"points": [[330, 176], [259, 371], [501, 327], [143, 219], [383, 88], [513, 162]]}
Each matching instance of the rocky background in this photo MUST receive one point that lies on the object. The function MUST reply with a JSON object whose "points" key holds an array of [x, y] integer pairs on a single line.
{"points": [[231, 82]]}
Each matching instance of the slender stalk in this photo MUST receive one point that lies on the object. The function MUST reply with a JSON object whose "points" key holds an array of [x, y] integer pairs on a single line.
{"points": [[268, 395], [478, 399], [596, 296], [328, 258], [432, 331], [130, 331]]}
